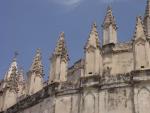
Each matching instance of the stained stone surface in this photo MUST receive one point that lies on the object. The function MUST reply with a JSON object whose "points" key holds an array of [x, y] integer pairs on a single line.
{"points": [[110, 78]]}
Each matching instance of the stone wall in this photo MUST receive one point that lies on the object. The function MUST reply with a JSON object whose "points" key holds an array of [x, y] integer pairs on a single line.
{"points": [[118, 58], [128, 93]]}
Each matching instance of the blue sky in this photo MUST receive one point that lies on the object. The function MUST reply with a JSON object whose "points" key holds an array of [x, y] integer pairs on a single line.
{"points": [[26, 25]]}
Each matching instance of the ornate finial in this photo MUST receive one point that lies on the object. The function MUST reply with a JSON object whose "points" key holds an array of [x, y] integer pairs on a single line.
{"points": [[37, 63], [38, 54], [94, 24], [38, 51], [147, 20], [109, 13], [61, 48], [109, 8], [62, 34], [147, 11], [109, 19], [94, 27], [93, 40]]}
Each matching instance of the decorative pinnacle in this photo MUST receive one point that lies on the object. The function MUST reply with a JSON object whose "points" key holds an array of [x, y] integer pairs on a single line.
{"points": [[109, 19], [62, 35], [109, 8], [139, 32], [61, 49], [38, 51], [93, 40], [13, 66], [147, 11], [94, 27], [37, 63]]}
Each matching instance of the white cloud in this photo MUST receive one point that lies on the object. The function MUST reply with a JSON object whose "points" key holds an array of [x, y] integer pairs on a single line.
{"points": [[68, 2], [111, 1]]}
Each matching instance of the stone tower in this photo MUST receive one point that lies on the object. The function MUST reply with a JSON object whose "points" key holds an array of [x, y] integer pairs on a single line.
{"points": [[35, 75], [109, 28], [93, 54], [59, 61]]}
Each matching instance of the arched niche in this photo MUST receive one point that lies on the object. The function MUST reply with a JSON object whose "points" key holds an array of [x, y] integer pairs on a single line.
{"points": [[89, 104], [144, 101]]}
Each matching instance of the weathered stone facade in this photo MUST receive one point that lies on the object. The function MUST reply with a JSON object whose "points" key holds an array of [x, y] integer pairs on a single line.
{"points": [[111, 78]]}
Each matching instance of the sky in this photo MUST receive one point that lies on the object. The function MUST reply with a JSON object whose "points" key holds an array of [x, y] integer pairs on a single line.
{"points": [[26, 25]]}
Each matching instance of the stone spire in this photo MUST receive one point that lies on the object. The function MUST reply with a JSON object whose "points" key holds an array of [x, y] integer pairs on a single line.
{"points": [[93, 54], [13, 67], [140, 46], [37, 66], [147, 10], [109, 28], [147, 20], [139, 29], [59, 61], [61, 49], [10, 86], [93, 40], [35, 74], [109, 19]]}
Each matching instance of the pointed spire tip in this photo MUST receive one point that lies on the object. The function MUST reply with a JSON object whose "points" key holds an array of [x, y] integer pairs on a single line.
{"points": [[94, 27], [109, 7], [139, 29], [94, 24], [61, 49], [62, 34], [15, 56], [109, 19], [38, 50]]}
